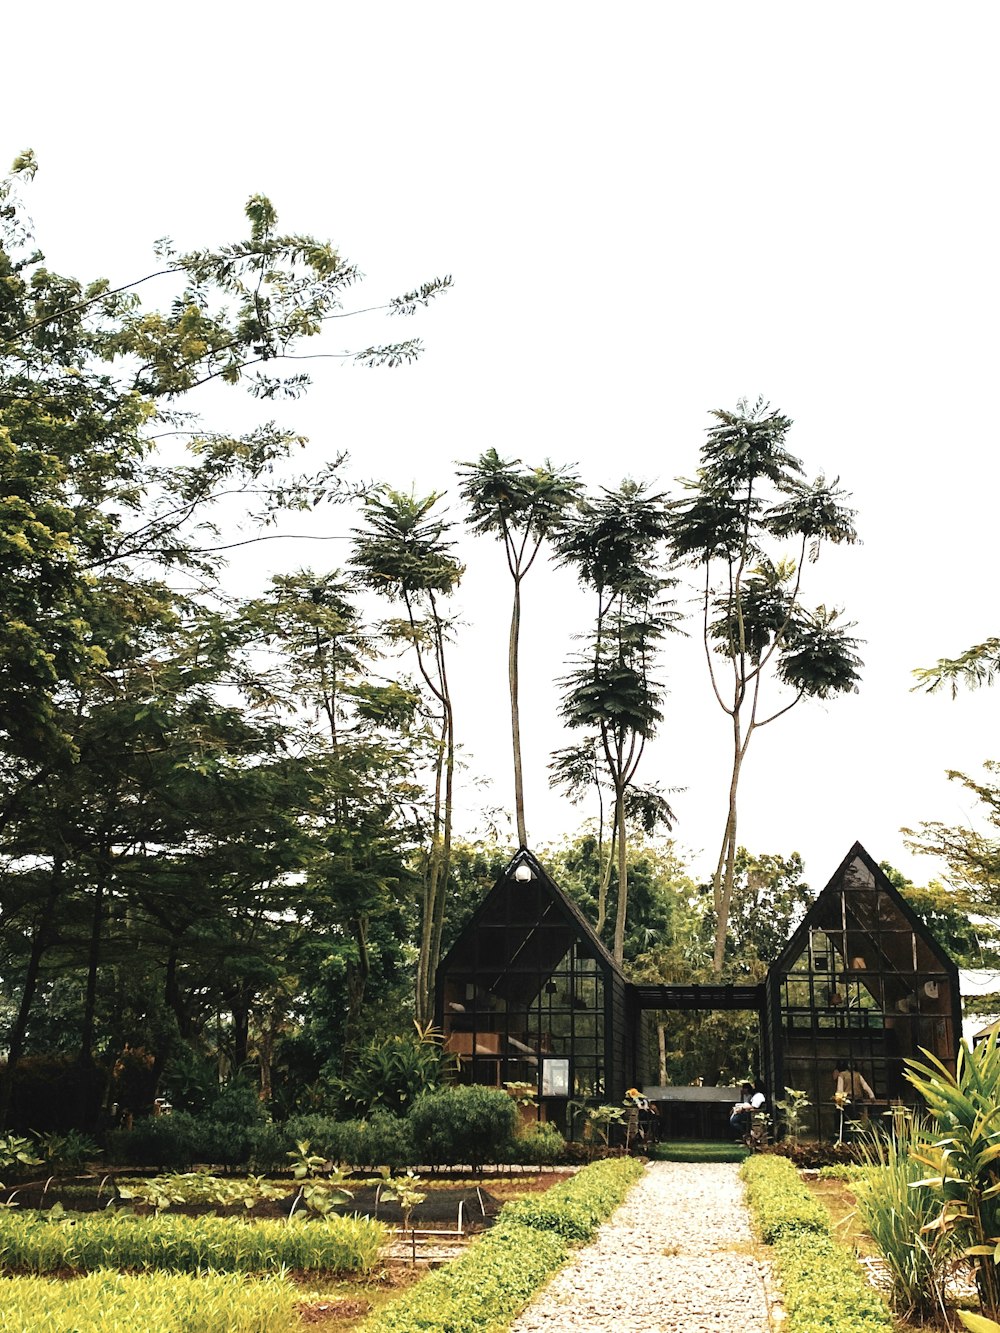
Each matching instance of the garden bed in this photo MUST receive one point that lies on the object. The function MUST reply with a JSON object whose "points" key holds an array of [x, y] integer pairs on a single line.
{"points": [[335, 1302]]}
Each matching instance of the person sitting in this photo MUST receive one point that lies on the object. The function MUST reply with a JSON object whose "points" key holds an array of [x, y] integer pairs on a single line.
{"points": [[849, 1084], [752, 1101]]}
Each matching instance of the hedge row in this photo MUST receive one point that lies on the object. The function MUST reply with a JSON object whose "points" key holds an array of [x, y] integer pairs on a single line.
{"points": [[576, 1207], [35, 1243], [823, 1286], [781, 1203], [497, 1276], [107, 1302], [463, 1125]]}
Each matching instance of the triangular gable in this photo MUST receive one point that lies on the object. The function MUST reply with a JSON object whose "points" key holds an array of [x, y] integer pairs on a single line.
{"points": [[574, 918], [817, 916]]}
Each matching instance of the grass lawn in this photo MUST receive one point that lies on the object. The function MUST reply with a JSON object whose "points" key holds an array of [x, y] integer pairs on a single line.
{"points": [[694, 1150]]}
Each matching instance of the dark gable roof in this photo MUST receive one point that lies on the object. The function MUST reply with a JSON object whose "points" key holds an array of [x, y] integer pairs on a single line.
{"points": [[566, 905], [814, 917]]}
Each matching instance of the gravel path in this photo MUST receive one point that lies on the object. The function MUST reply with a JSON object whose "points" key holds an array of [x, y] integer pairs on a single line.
{"points": [[677, 1257]]}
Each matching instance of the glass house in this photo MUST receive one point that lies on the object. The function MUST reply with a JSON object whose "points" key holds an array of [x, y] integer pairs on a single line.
{"points": [[861, 985], [529, 994]]}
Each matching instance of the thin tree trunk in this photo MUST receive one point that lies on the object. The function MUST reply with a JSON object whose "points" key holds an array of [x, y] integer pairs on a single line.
{"points": [[88, 1102], [445, 866], [240, 1008], [722, 885], [605, 881], [515, 715], [357, 981], [93, 964], [620, 914]]}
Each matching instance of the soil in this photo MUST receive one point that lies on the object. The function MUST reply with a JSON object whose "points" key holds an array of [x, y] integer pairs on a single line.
{"points": [[837, 1196], [347, 1303]]}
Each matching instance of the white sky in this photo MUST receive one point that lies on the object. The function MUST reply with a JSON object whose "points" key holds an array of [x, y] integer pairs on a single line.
{"points": [[649, 211]]}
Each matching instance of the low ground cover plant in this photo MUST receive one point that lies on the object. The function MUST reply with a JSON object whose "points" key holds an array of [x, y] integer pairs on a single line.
{"points": [[105, 1301], [38, 1243], [575, 1207], [498, 1274], [781, 1204], [823, 1286]]}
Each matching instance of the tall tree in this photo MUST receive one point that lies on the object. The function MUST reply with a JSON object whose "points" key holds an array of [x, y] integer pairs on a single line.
{"points": [[360, 741], [111, 495], [404, 552], [615, 544], [748, 496], [90, 383], [522, 507]]}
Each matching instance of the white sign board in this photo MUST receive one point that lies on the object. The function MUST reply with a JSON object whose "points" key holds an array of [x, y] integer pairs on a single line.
{"points": [[555, 1078]]}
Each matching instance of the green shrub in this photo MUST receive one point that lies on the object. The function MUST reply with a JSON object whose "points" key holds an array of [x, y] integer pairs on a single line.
{"points": [[37, 1243], [462, 1125], [325, 1133], [379, 1140], [539, 1145], [179, 1140], [781, 1203], [235, 1103], [222, 1142], [107, 1302], [383, 1140], [165, 1141], [269, 1146]]}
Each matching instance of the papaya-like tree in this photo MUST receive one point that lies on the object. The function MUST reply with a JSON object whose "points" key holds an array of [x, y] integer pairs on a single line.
{"points": [[615, 543], [748, 498], [522, 507], [405, 553]]}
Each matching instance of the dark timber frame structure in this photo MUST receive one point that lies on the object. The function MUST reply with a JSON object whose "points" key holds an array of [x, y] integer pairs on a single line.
{"points": [[861, 984], [529, 994]]}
